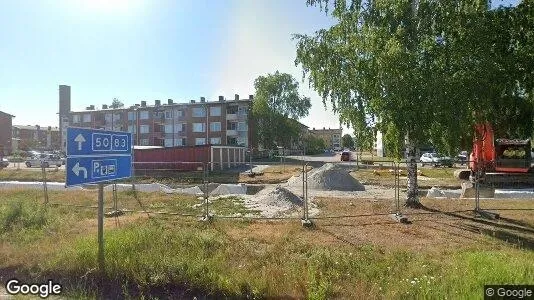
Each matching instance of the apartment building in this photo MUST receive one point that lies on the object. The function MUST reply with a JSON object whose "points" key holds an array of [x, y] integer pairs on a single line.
{"points": [[221, 122], [331, 137], [5, 133], [28, 137]]}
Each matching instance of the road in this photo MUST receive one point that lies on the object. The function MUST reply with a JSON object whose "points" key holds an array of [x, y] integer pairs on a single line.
{"points": [[21, 165]]}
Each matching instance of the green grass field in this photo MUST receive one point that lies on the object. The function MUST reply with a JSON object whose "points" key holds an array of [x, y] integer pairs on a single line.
{"points": [[167, 255]]}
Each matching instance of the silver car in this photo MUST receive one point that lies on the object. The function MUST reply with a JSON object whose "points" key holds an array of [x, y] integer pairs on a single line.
{"points": [[44, 160]]}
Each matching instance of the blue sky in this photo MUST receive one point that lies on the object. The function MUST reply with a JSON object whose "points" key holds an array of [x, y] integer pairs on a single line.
{"points": [[147, 49]]}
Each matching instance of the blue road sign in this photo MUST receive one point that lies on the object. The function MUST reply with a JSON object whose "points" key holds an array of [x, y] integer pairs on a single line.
{"points": [[96, 155], [93, 169], [88, 141]]}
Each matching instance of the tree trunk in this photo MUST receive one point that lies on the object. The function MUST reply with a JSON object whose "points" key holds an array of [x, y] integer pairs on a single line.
{"points": [[412, 195]]}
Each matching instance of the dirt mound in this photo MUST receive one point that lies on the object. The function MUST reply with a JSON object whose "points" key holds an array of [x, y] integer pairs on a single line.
{"points": [[277, 202], [329, 177]]}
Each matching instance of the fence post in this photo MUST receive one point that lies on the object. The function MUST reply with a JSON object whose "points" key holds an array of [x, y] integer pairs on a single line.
{"points": [[306, 222], [397, 216], [45, 187], [207, 217]]}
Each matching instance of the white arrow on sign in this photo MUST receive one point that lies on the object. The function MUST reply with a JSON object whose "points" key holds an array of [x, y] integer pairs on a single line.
{"points": [[79, 139], [76, 169]]}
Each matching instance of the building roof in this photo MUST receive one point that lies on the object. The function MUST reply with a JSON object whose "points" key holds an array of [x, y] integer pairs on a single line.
{"points": [[34, 127], [1, 112], [162, 105]]}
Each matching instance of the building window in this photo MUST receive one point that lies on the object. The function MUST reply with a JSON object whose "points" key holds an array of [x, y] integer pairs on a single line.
{"points": [[168, 114], [143, 115], [241, 141], [116, 117], [200, 141], [242, 111], [242, 126], [199, 127], [87, 118], [168, 128], [75, 118], [231, 125], [231, 110], [179, 142], [231, 141], [132, 128], [168, 142], [131, 116], [199, 112], [178, 113], [107, 117], [144, 129], [215, 111], [215, 141], [179, 127], [215, 126], [145, 142]]}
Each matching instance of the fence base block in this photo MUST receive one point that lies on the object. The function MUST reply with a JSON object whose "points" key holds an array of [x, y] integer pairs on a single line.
{"points": [[307, 223], [486, 214], [208, 218], [399, 218]]}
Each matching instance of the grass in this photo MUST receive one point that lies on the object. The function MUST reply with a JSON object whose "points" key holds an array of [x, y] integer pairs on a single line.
{"points": [[175, 256], [428, 177], [31, 175]]}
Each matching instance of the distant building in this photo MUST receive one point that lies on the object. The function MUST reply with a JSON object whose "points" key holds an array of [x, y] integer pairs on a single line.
{"points": [[331, 137], [5, 133], [221, 122], [28, 137]]}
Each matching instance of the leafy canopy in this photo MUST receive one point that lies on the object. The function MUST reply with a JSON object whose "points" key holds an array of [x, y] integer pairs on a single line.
{"points": [[276, 104], [427, 70]]}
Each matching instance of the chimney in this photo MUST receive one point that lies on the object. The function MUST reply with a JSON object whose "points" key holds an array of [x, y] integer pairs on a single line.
{"points": [[137, 105], [192, 101], [313, 128], [90, 107], [169, 101], [37, 127], [49, 128], [104, 106], [221, 98], [236, 96], [202, 99], [250, 97], [324, 128], [157, 102], [143, 103]]}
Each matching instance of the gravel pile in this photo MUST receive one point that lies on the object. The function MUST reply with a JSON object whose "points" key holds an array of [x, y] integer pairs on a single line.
{"points": [[329, 177], [273, 203]]}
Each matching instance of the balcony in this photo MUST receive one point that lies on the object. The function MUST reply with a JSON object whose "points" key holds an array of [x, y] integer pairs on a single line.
{"points": [[231, 132], [231, 117]]}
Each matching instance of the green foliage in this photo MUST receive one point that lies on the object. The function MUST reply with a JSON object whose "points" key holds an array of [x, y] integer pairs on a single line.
{"points": [[347, 141], [314, 145], [276, 102], [18, 215], [116, 103], [430, 70]]}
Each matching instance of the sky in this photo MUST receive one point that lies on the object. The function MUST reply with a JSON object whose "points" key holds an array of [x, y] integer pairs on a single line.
{"points": [[138, 50]]}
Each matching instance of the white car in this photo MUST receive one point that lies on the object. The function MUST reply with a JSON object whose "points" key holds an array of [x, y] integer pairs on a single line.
{"points": [[435, 160], [44, 160]]}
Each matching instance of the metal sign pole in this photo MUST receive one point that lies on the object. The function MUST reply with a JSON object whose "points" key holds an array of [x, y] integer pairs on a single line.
{"points": [[101, 228]]}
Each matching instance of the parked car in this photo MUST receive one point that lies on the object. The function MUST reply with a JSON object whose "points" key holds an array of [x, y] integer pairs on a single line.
{"points": [[462, 158], [436, 160], [345, 156], [4, 163], [44, 160]]}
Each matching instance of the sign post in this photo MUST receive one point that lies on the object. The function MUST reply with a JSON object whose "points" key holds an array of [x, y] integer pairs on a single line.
{"points": [[98, 156]]}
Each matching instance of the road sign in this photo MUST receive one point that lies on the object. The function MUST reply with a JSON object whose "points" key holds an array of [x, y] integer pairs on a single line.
{"points": [[96, 155], [92, 169], [88, 141]]}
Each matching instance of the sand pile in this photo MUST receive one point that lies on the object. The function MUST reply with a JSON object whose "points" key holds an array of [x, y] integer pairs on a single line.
{"points": [[274, 203], [329, 177]]}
